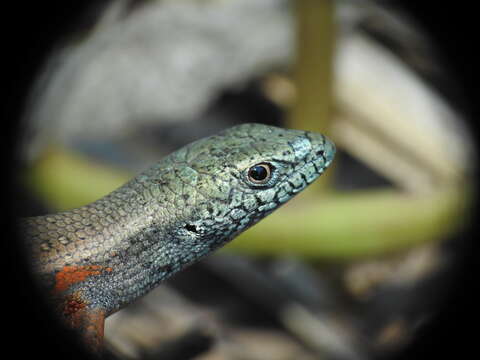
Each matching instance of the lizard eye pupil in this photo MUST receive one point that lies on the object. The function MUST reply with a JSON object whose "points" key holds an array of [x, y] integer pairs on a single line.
{"points": [[260, 173]]}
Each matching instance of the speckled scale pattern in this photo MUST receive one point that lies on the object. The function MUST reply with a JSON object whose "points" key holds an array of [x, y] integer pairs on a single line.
{"points": [[176, 212]]}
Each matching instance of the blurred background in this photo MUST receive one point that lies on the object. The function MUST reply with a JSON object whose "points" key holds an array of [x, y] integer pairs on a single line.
{"points": [[356, 267]]}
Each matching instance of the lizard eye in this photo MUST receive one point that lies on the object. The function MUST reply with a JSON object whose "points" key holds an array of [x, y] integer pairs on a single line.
{"points": [[260, 173]]}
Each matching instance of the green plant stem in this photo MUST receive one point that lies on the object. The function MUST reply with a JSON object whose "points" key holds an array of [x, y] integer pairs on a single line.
{"points": [[331, 226], [313, 71], [356, 224]]}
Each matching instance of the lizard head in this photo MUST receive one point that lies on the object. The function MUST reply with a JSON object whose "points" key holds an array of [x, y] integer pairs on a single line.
{"points": [[227, 182]]}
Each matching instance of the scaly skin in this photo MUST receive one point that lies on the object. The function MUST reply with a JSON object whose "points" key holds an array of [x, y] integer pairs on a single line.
{"points": [[99, 258]]}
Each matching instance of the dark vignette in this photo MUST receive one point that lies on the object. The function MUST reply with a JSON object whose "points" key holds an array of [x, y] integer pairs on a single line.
{"points": [[30, 31]]}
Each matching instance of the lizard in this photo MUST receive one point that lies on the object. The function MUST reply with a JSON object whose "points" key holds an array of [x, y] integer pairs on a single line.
{"points": [[98, 258]]}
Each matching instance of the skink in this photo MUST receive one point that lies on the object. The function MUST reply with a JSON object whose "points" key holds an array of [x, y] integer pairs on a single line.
{"points": [[98, 258]]}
